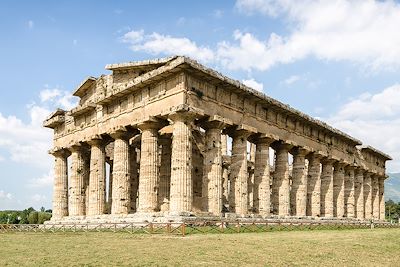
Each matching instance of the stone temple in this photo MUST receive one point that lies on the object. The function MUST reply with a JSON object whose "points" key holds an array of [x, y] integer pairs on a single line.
{"points": [[168, 139]]}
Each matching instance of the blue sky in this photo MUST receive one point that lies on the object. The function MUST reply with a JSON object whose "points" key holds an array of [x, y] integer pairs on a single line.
{"points": [[335, 60]]}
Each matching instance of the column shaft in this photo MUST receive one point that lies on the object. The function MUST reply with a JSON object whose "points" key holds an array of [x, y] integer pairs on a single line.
{"points": [[181, 199], [79, 174], [165, 174], [224, 144], [60, 195], [382, 198], [349, 210], [97, 179], [367, 196], [298, 194], [110, 186], [134, 179], [327, 189], [212, 170], [359, 193], [121, 176], [239, 174], [280, 186], [338, 190], [148, 177], [262, 178], [375, 197], [314, 186]]}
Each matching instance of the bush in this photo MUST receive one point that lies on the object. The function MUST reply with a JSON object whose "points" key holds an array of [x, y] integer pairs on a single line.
{"points": [[43, 216], [33, 217]]}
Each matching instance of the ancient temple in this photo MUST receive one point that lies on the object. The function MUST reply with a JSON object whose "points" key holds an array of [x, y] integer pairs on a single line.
{"points": [[171, 138]]}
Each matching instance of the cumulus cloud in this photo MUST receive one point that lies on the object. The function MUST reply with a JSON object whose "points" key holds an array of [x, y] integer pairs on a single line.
{"points": [[362, 32], [37, 198], [374, 119], [5, 196], [28, 142], [254, 84], [156, 43]]}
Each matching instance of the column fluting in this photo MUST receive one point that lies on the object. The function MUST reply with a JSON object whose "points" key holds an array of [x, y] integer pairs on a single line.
{"points": [[280, 182], [78, 183], [165, 173], [314, 185], [97, 178], [327, 188], [338, 190], [359, 193], [60, 194], [367, 196], [349, 206], [298, 194]]}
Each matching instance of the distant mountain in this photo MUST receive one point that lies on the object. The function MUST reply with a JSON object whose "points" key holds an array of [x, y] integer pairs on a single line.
{"points": [[392, 187]]}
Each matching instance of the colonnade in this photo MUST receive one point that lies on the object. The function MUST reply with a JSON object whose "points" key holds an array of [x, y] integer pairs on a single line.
{"points": [[315, 186]]}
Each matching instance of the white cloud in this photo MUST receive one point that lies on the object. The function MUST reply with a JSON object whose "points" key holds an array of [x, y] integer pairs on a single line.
{"points": [[5, 196], [362, 32], [43, 181], [292, 79], [254, 84], [31, 24], [156, 43], [218, 13], [375, 120], [28, 142]]}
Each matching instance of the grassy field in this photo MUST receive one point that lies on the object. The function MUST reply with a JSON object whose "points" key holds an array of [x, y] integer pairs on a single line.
{"points": [[379, 247]]}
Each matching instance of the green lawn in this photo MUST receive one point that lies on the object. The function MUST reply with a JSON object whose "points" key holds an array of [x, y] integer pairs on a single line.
{"points": [[378, 247]]}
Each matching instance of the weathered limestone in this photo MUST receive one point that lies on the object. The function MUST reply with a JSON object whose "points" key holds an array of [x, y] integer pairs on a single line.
{"points": [[338, 190], [262, 179], [381, 198], [121, 175], [349, 209], [78, 182], [298, 194], [134, 177], [280, 183], [375, 197], [327, 188], [314, 186], [239, 176], [367, 196], [181, 198], [60, 195], [149, 170], [359, 193], [169, 172], [97, 178], [212, 168], [165, 173]]}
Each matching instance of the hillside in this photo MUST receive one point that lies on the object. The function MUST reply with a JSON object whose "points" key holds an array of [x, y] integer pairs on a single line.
{"points": [[392, 187]]}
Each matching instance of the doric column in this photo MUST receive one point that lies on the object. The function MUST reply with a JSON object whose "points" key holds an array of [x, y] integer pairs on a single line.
{"points": [[239, 174], [349, 210], [327, 188], [375, 197], [149, 168], [298, 194], [262, 179], [224, 144], [314, 185], [359, 193], [134, 179], [181, 199], [382, 198], [280, 182], [78, 183], [338, 190], [121, 175], [212, 167], [110, 186], [97, 178], [60, 191], [367, 196], [165, 173], [225, 186]]}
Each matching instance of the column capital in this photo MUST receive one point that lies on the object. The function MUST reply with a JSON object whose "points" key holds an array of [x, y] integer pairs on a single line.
{"points": [[359, 170], [151, 123], [314, 155], [350, 168], [281, 145], [121, 133], [301, 151], [96, 141], [339, 164], [260, 138], [241, 130], [215, 122], [326, 160], [59, 152]]}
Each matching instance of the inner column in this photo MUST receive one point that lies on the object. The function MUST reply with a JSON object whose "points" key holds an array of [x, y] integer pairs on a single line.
{"points": [[281, 186]]}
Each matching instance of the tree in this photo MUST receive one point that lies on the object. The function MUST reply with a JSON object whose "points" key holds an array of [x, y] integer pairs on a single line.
{"points": [[33, 217]]}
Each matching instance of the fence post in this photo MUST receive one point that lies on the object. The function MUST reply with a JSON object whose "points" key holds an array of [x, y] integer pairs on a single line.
{"points": [[183, 229]]}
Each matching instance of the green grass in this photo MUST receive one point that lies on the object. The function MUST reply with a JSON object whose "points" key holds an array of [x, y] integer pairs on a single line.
{"points": [[378, 247]]}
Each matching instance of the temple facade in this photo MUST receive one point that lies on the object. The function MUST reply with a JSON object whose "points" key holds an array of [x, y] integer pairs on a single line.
{"points": [[172, 138]]}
